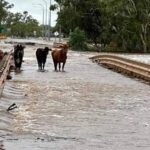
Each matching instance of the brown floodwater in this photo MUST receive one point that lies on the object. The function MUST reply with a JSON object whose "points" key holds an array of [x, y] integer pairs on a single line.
{"points": [[87, 107]]}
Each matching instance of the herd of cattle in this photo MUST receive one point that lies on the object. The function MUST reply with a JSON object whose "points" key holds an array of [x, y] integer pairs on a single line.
{"points": [[59, 55]]}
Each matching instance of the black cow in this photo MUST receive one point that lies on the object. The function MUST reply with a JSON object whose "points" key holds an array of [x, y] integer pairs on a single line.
{"points": [[41, 55], [18, 56]]}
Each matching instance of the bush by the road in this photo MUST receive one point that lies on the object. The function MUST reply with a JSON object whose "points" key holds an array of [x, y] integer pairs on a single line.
{"points": [[77, 40]]}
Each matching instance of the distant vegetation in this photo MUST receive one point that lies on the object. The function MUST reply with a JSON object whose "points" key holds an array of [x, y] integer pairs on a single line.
{"points": [[109, 25], [18, 24]]}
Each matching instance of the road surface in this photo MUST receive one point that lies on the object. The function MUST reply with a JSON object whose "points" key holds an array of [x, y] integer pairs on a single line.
{"points": [[87, 107]]}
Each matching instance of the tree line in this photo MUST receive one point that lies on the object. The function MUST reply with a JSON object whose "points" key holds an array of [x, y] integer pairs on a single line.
{"points": [[114, 25], [17, 24], [117, 25]]}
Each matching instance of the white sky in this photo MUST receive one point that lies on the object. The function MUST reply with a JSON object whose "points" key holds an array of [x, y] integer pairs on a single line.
{"points": [[34, 9]]}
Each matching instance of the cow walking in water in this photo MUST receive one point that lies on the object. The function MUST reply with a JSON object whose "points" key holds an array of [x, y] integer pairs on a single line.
{"points": [[59, 55], [18, 56], [41, 55]]}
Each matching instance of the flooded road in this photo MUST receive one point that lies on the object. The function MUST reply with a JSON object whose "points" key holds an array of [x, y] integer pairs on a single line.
{"points": [[86, 107]]}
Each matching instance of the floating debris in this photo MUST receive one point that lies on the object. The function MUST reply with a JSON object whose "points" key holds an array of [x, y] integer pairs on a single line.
{"points": [[11, 107]]}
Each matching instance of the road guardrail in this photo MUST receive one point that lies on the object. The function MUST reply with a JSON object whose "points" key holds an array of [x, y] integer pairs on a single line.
{"points": [[5, 64], [124, 66]]}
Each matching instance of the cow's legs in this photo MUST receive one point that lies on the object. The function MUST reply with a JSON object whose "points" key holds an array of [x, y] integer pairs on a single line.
{"points": [[59, 66], [40, 66], [63, 65], [43, 66], [55, 65], [18, 64]]}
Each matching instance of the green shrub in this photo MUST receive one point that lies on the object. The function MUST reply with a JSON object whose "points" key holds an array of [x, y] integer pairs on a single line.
{"points": [[77, 40]]}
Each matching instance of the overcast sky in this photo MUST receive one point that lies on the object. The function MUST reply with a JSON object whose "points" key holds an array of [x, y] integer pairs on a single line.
{"points": [[33, 8]]}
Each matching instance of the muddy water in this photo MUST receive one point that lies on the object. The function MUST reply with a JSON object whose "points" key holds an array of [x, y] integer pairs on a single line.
{"points": [[86, 107]]}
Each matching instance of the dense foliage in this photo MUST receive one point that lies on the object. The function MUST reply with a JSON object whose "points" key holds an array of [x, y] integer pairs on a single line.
{"points": [[22, 25], [77, 40], [115, 24]]}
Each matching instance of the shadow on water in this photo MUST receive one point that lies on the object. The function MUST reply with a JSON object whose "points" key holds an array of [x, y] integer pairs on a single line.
{"points": [[42, 70]]}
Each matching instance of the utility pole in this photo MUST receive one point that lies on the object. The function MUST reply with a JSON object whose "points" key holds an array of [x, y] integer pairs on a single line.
{"points": [[60, 34], [49, 29], [45, 17], [42, 17]]}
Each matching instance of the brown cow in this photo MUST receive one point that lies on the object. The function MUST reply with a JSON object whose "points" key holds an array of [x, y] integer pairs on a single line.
{"points": [[59, 55]]}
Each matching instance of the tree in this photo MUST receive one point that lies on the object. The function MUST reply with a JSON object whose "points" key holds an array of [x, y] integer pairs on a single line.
{"points": [[25, 26], [91, 24], [4, 6], [82, 14], [77, 40], [123, 22], [127, 23], [22, 25]]}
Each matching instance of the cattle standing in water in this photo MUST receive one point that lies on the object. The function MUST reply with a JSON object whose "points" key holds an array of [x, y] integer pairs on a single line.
{"points": [[18, 56], [59, 55], [41, 55]]}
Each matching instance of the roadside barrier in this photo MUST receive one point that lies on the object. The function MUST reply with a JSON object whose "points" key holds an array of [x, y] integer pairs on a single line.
{"points": [[4, 70], [125, 66]]}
